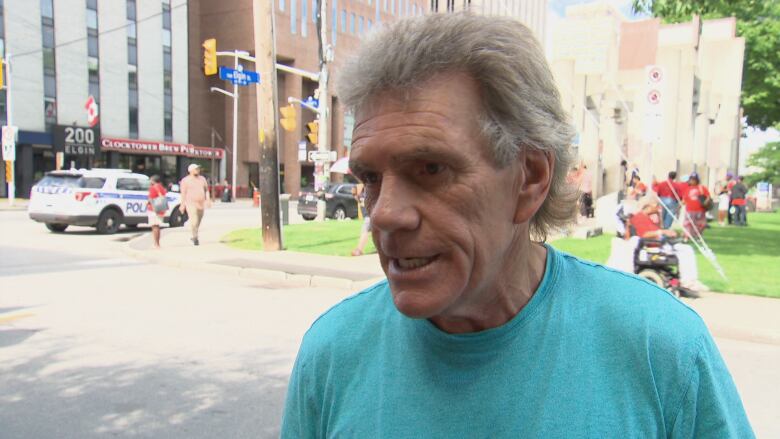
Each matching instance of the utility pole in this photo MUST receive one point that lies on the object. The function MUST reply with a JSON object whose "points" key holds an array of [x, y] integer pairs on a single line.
{"points": [[323, 96], [9, 161], [267, 105]]}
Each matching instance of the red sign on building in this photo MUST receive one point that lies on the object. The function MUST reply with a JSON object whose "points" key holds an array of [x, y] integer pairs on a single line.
{"points": [[134, 146]]}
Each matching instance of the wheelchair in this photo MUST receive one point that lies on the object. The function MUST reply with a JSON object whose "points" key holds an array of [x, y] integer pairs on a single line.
{"points": [[656, 261]]}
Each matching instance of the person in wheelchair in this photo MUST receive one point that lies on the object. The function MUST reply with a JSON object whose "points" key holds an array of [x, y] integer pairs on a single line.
{"points": [[646, 225]]}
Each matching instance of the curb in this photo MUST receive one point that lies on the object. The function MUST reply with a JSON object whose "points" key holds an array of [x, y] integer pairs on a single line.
{"points": [[275, 276]]}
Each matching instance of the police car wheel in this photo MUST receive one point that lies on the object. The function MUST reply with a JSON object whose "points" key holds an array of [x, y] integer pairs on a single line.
{"points": [[56, 228], [109, 222]]}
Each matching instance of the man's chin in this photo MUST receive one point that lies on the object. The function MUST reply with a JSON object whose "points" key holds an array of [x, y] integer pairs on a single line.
{"points": [[414, 303]]}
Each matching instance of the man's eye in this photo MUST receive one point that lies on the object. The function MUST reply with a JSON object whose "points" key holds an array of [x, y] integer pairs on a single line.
{"points": [[433, 168], [369, 177]]}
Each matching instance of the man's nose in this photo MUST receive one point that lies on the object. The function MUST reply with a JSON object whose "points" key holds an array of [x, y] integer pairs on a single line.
{"points": [[394, 208]]}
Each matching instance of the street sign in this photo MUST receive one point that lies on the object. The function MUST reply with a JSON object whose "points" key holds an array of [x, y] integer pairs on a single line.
{"points": [[9, 143], [310, 101], [240, 76], [322, 156], [302, 151], [76, 140]]}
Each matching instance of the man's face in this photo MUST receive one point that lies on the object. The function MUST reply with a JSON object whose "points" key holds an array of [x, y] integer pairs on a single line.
{"points": [[442, 214], [195, 171]]}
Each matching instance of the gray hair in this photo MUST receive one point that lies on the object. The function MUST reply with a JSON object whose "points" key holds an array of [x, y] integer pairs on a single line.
{"points": [[521, 104]]}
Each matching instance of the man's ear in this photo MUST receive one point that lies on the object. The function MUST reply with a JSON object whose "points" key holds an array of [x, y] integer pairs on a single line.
{"points": [[536, 171]]}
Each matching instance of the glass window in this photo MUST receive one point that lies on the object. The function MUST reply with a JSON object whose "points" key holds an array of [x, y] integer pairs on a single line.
{"points": [[93, 76], [414, 10], [94, 90], [48, 36], [168, 101], [167, 82], [47, 9], [352, 23], [92, 182], [132, 54], [281, 5], [133, 122], [167, 60], [166, 37], [304, 16], [129, 184], [48, 59], [92, 45], [293, 17], [314, 10], [49, 86], [168, 122], [166, 16], [93, 64], [360, 25], [91, 4], [92, 19], [132, 98], [131, 29], [344, 20], [131, 10], [334, 27], [369, 25]]}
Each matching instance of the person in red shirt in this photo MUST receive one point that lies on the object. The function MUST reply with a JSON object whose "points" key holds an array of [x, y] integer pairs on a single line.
{"points": [[646, 224], [155, 218], [695, 198], [670, 191], [638, 189]]}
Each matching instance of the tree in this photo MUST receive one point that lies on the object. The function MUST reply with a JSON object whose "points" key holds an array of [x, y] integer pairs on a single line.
{"points": [[758, 21], [768, 159]]}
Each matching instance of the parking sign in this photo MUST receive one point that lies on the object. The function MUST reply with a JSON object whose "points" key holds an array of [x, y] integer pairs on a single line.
{"points": [[9, 143]]}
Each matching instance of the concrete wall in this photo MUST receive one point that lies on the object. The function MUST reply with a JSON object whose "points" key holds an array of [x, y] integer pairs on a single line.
{"points": [[23, 35], [114, 112], [150, 70], [179, 48], [71, 59]]}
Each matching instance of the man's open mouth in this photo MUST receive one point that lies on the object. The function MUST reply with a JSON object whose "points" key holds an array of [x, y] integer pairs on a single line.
{"points": [[412, 263]]}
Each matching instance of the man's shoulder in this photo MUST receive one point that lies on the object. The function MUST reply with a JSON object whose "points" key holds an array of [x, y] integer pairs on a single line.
{"points": [[628, 304], [348, 321]]}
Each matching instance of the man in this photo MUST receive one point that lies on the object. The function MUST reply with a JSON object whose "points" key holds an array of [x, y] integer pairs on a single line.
{"points": [[696, 198], [586, 190], [195, 198], [479, 331], [739, 202], [646, 227], [669, 191], [729, 184]]}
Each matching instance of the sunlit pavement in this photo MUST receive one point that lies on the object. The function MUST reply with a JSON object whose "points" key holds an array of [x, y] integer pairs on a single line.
{"points": [[95, 343]]}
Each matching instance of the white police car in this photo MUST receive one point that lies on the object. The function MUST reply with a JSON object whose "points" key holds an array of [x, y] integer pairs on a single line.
{"points": [[100, 198]]}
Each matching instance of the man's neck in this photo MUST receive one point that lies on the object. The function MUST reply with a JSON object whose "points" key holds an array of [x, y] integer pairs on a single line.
{"points": [[499, 303]]}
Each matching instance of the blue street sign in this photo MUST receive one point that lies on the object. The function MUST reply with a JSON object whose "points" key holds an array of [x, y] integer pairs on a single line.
{"points": [[240, 76], [310, 101]]}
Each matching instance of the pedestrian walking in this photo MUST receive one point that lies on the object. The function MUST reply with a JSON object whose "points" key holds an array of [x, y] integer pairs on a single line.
{"points": [[739, 202], [586, 192], [227, 192], [697, 202], [156, 208], [195, 199], [724, 202], [669, 191]]}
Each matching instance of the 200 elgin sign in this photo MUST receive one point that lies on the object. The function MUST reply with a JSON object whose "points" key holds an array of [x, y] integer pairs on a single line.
{"points": [[76, 140]]}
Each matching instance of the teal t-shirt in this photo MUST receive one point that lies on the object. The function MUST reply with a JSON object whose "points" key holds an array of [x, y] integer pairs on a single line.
{"points": [[595, 353]]}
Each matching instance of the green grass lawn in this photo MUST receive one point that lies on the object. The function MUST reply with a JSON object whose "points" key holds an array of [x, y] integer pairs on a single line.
{"points": [[750, 256], [337, 238]]}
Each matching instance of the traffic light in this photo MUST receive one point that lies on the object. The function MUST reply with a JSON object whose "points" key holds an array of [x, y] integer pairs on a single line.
{"points": [[210, 57], [2, 65], [314, 128], [288, 118]]}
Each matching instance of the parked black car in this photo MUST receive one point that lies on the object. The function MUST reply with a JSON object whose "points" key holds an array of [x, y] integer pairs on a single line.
{"points": [[339, 202]]}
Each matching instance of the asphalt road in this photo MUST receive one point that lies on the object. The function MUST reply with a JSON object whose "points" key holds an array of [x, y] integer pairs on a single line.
{"points": [[95, 344]]}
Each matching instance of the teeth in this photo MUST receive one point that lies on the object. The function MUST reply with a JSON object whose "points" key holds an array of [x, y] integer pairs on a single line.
{"points": [[411, 263]]}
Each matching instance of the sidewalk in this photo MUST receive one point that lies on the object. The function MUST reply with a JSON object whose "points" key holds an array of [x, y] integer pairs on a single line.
{"points": [[19, 204], [301, 269]]}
